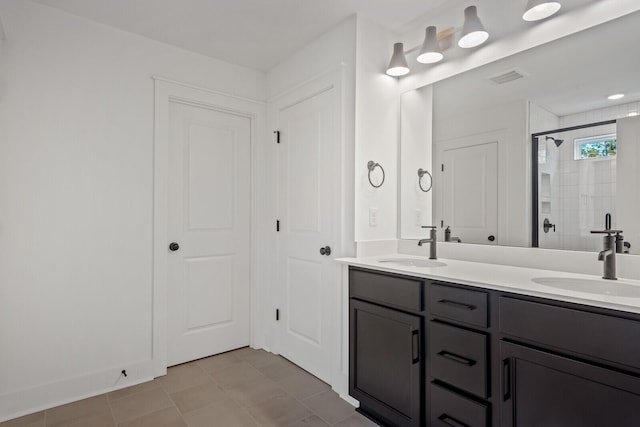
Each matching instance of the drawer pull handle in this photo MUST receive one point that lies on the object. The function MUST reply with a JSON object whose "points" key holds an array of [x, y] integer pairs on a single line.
{"points": [[506, 380], [457, 358], [450, 421], [415, 346], [458, 304]]}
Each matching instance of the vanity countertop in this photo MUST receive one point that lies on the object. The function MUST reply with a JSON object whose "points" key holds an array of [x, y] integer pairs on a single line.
{"points": [[622, 294]]}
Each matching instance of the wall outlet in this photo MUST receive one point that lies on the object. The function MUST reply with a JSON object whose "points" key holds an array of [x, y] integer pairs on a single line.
{"points": [[373, 217]]}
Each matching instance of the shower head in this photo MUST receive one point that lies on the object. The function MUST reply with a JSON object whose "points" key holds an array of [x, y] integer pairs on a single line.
{"points": [[556, 141]]}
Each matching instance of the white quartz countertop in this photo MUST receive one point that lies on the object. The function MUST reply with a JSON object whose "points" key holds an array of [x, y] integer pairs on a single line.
{"points": [[622, 294]]}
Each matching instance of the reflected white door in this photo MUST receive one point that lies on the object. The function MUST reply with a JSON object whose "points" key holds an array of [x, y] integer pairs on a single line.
{"points": [[209, 218], [306, 214], [470, 192], [628, 181]]}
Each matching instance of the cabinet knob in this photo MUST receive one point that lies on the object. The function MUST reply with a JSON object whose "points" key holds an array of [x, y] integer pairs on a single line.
{"points": [[173, 246]]}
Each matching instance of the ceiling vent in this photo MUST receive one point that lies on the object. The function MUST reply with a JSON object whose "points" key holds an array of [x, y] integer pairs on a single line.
{"points": [[508, 76]]}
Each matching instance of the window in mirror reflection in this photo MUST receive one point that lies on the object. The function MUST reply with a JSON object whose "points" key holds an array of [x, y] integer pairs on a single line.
{"points": [[595, 147]]}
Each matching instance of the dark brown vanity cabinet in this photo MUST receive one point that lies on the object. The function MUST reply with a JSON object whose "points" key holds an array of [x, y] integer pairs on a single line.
{"points": [[437, 354], [567, 367], [386, 347]]}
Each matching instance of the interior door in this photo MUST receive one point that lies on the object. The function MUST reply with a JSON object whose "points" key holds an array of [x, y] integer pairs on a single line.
{"points": [[628, 180], [470, 192], [209, 231], [306, 213]]}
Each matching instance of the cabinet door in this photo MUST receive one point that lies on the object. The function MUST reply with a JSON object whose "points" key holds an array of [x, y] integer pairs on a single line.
{"points": [[385, 361], [544, 389]]}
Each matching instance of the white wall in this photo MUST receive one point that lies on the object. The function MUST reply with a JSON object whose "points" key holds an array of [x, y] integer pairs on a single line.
{"points": [[376, 133], [76, 168]]}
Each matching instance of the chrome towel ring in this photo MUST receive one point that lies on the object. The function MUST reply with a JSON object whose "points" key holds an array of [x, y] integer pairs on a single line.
{"points": [[421, 173], [371, 166]]}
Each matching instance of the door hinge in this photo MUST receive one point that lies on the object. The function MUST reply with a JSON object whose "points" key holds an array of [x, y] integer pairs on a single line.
{"points": [[277, 314], [442, 167], [277, 225], [277, 132]]}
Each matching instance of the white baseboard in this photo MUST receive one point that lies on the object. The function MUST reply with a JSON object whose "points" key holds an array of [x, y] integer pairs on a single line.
{"points": [[34, 399]]}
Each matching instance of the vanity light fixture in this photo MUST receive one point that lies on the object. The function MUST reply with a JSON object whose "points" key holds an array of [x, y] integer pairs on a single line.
{"points": [[398, 65], [473, 32], [540, 9], [430, 53], [615, 96]]}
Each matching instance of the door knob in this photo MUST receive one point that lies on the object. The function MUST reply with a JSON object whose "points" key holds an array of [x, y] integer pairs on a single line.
{"points": [[491, 238], [325, 251], [173, 246]]}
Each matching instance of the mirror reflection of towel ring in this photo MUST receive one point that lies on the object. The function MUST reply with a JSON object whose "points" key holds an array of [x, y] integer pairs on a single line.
{"points": [[421, 173], [371, 166]]}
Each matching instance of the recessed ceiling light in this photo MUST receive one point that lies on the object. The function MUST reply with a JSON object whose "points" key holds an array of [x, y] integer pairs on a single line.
{"points": [[616, 96]]}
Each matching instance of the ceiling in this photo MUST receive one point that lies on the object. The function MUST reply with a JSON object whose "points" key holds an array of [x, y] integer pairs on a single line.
{"points": [[254, 33], [261, 33]]}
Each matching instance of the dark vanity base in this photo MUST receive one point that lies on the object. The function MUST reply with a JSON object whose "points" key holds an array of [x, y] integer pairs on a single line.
{"points": [[436, 354]]}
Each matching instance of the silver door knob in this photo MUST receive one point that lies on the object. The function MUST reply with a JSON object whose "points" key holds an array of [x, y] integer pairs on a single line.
{"points": [[325, 251]]}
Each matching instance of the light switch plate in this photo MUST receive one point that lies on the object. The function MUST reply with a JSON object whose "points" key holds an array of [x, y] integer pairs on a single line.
{"points": [[373, 217]]}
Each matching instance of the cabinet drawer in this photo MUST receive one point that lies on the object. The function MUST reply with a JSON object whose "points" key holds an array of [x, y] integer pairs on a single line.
{"points": [[449, 409], [458, 304], [395, 291], [595, 335], [459, 357]]}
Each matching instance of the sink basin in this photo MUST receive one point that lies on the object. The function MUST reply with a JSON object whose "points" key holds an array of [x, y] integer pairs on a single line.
{"points": [[413, 262], [591, 286]]}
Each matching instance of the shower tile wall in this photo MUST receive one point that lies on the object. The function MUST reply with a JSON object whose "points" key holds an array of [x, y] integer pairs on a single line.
{"points": [[581, 191]]}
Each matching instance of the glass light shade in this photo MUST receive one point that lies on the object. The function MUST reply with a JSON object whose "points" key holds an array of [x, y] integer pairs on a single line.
{"points": [[473, 32], [540, 9], [430, 52], [398, 65]]}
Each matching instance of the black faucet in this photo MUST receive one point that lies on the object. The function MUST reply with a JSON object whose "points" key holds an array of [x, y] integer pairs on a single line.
{"points": [[431, 240]]}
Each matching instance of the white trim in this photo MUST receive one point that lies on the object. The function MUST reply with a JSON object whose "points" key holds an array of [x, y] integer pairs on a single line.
{"points": [[330, 74], [166, 91], [28, 401], [3, 33], [204, 89]]}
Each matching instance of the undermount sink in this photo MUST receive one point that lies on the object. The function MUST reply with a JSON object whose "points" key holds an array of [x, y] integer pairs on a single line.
{"points": [[413, 262], [591, 286]]}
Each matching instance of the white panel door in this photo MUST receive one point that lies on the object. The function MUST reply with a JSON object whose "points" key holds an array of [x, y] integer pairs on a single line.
{"points": [[628, 181], [470, 192], [307, 214], [209, 218]]}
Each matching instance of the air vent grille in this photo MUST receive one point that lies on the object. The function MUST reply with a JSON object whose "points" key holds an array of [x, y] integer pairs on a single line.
{"points": [[508, 76]]}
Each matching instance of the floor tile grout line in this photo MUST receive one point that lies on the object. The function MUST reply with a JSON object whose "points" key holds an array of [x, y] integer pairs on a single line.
{"points": [[113, 417]]}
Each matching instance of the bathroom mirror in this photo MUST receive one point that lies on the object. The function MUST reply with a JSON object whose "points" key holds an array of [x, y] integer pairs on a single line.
{"points": [[482, 125]]}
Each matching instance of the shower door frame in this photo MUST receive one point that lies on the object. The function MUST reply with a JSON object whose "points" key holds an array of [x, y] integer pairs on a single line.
{"points": [[534, 172]]}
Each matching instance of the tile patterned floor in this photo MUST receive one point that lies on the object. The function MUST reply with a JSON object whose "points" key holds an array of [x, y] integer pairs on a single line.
{"points": [[242, 388]]}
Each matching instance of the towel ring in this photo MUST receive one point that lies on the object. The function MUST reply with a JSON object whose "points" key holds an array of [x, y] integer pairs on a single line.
{"points": [[371, 166], [421, 173]]}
